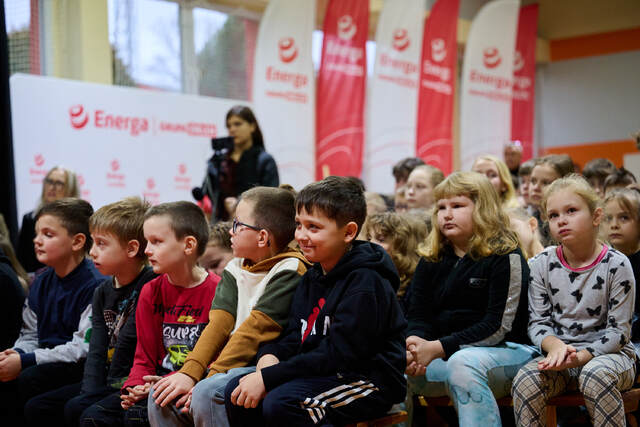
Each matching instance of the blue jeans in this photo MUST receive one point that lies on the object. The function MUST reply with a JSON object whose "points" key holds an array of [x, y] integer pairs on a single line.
{"points": [[474, 377], [207, 403]]}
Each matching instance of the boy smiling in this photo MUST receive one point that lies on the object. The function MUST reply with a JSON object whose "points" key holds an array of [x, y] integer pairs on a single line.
{"points": [[342, 357]]}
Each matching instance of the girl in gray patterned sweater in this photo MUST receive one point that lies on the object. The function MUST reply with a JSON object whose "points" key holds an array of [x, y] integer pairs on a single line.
{"points": [[581, 297]]}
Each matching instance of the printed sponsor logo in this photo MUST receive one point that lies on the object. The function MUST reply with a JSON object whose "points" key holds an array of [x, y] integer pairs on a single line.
{"points": [[346, 27], [38, 159], [491, 57], [149, 194], [101, 119], [287, 49], [181, 181], [78, 117], [401, 39], [114, 178], [37, 172], [438, 50]]}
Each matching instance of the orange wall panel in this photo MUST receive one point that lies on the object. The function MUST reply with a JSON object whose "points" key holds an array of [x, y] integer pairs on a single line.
{"points": [[595, 44], [581, 154]]}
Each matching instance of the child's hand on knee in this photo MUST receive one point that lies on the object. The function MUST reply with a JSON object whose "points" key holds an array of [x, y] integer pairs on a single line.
{"points": [[250, 391], [187, 402], [172, 387]]}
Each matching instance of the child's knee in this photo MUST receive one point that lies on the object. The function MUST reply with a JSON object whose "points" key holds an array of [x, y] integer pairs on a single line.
{"points": [[276, 409], [466, 365], [527, 379], [593, 379]]}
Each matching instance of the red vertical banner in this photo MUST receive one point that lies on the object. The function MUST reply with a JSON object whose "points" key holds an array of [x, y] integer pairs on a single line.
{"points": [[434, 139], [524, 77], [341, 89]]}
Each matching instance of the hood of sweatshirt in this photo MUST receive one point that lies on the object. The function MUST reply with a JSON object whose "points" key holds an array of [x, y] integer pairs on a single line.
{"points": [[361, 255]]}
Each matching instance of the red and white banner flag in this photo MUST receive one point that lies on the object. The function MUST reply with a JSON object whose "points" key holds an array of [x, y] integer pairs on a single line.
{"points": [[524, 77], [487, 78], [341, 89], [437, 84], [393, 92], [283, 88]]}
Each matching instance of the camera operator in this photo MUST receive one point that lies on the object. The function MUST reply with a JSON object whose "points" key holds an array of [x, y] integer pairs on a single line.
{"points": [[238, 164]]}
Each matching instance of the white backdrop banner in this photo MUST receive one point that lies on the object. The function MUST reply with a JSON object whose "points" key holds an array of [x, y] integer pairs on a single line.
{"points": [[487, 79], [120, 141], [284, 89], [393, 96]]}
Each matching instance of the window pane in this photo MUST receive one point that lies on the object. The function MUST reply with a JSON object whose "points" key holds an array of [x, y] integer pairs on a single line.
{"points": [[224, 45], [145, 38]]}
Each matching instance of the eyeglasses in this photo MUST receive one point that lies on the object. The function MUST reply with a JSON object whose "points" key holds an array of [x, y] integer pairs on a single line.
{"points": [[236, 223], [57, 184]]}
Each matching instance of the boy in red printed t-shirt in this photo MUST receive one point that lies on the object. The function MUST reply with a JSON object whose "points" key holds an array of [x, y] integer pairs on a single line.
{"points": [[172, 310]]}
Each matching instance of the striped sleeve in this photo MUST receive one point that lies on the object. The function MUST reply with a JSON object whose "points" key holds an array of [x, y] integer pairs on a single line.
{"points": [[505, 284]]}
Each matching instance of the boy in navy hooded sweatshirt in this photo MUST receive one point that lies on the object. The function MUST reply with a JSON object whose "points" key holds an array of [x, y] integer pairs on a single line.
{"points": [[342, 357]]}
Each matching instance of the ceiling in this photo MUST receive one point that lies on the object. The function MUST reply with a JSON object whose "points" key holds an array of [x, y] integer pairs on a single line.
{"points": [[558, 19]]}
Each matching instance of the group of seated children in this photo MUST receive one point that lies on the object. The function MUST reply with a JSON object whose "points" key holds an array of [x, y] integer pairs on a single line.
{"points": [[173, 344], [341, 329]]}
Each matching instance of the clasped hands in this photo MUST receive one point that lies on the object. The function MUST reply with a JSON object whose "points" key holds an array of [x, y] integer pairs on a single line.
{"points": [[420, 353], [561, 356]]}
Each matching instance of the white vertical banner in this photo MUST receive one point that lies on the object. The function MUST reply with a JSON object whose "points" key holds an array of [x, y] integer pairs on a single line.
{"points": [[487, 79], [284, 89], [393, 94]]}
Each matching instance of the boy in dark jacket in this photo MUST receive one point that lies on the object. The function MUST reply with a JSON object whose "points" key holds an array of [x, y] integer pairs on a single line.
{"points": [[342, 357], [54, 338]]}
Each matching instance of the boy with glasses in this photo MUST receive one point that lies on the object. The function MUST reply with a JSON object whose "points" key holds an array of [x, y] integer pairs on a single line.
{"points": [[251, 307]]}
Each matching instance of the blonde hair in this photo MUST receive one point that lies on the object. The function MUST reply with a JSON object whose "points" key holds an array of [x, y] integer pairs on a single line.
{"points": [[491, 232], [123, 219], [627, 198], [508, 196], [405, 233], [521, 214], [71, 187], [435, 175], [578, 185]]}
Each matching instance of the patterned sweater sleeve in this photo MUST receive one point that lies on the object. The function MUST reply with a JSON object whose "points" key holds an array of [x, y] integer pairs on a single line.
{"points": [[621, 301], [540, 323]]}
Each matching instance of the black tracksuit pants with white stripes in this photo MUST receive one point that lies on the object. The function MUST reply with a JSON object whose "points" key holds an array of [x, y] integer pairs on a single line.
{"points": [[315, 401]]}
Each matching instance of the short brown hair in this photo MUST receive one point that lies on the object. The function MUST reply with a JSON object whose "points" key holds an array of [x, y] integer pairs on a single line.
{"points": [[273, 210], [73, 214], [124, 219], [598, 168], [186, 219], [340, 199]]}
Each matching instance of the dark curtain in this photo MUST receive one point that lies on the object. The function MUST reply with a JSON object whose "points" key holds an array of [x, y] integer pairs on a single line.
{"points": [[7, 175]]}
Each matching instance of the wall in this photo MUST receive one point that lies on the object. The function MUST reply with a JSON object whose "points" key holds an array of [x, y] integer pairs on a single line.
{"points": [[589, 106]]}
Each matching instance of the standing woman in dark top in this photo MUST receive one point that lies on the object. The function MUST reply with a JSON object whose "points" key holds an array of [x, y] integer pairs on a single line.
{"points": [[248, 165], [57, 184]]}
